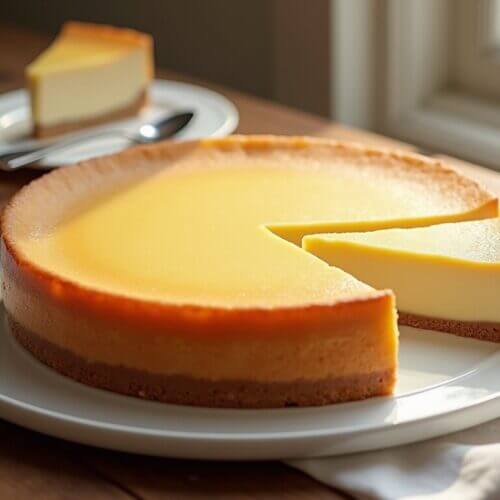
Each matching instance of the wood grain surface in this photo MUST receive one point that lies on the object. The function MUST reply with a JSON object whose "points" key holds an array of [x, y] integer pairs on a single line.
{"points": [[36, 466]]}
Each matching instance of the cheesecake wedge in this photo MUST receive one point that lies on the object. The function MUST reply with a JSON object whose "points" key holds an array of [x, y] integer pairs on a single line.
{"points": [[446, 277], [91, 74]]}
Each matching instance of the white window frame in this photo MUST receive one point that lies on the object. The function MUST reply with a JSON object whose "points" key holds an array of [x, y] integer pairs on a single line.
{"points": [[403, 48]]}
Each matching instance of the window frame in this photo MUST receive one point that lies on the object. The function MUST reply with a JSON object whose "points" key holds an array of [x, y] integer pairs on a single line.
{"points": [[408, 53]]}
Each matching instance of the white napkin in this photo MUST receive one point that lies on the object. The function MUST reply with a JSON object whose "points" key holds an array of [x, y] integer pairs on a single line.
{"points": [[461, 466]]}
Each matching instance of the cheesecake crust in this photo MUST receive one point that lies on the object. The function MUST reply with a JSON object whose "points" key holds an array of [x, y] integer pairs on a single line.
{"points": [[473, 329], [44, 132], [185, 390]]}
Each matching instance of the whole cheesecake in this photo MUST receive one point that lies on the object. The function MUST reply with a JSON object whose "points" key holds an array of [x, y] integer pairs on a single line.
{"points": [[91, 74], [446, 277], [172, 272]]}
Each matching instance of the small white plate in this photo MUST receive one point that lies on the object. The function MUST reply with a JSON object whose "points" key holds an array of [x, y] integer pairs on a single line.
{"points": [[215, 116], [446, 384]]}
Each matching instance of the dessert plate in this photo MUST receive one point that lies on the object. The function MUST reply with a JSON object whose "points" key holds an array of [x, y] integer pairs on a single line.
{"points": [[446, 384], [214, 116]]}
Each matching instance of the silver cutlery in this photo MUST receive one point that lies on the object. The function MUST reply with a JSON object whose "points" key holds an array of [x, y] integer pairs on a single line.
{"points": [[145, 134]]}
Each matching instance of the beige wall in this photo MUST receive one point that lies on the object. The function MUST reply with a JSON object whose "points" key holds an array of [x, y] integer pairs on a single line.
{"points": [[277, 49]]}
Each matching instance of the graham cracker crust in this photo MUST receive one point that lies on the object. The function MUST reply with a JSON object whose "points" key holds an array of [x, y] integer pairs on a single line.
{"points": [[472, 329], [184, 390], [41, 132]]}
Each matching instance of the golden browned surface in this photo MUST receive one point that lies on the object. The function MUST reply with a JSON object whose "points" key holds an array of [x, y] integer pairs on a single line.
{"points": [[106, 32]]}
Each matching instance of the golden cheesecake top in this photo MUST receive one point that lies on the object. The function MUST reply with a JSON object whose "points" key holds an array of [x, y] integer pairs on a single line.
{"points": [[214, 222], [81, 45]]}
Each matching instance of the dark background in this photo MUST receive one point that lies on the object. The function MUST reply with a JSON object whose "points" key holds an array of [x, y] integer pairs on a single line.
{"points": [[276, 49]]}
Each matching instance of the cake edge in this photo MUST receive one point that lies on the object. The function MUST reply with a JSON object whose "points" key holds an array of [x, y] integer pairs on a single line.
{"points": [[188, 391]]}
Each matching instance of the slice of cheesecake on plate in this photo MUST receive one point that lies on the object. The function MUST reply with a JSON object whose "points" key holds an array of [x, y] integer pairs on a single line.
{"points": [[89, 75], [446, 277]]}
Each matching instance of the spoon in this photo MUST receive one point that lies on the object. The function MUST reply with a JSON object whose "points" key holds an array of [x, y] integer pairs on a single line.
{"points": [[146, 134]]}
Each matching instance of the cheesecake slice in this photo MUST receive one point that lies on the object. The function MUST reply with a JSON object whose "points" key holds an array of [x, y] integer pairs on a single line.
{"points": [[445, 277], [90, 74], [157, 272]]}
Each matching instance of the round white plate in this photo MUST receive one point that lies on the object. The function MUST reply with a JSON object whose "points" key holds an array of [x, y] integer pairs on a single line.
{"points": [[215, 116], [446, 383]]}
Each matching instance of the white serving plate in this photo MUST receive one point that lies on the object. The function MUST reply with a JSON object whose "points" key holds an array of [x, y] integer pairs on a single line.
{"points": [[215, 116], [446, 383]]}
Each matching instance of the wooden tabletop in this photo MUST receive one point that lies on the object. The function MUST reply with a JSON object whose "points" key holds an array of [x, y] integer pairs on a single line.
{"points": [[36, 466]]}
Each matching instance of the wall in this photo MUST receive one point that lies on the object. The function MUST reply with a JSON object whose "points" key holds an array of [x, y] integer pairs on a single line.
{"points": [[262, 47]]}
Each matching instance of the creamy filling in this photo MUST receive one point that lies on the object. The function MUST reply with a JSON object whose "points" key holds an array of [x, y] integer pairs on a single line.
{"points": [[89, 92], [449, 272]]}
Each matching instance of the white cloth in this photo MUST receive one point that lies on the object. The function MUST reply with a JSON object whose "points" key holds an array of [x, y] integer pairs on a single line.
{"points": [[461, 466]]}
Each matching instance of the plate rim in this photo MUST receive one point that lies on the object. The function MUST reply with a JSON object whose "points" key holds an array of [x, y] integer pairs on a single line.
{"points": [[224, 105], [233, 437], [476, 402], [233, 117]]}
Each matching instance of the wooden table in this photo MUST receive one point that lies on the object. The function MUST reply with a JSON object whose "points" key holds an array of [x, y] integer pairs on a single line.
{"points": [[36, 466]]}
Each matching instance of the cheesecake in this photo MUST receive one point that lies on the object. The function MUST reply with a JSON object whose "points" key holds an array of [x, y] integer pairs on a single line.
{"points": [[91, 74], [446, 277], [172, 272]]}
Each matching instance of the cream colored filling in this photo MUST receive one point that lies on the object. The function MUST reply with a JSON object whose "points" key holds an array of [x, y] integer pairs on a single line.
{"points": [[90, 91], [449, 271]]}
